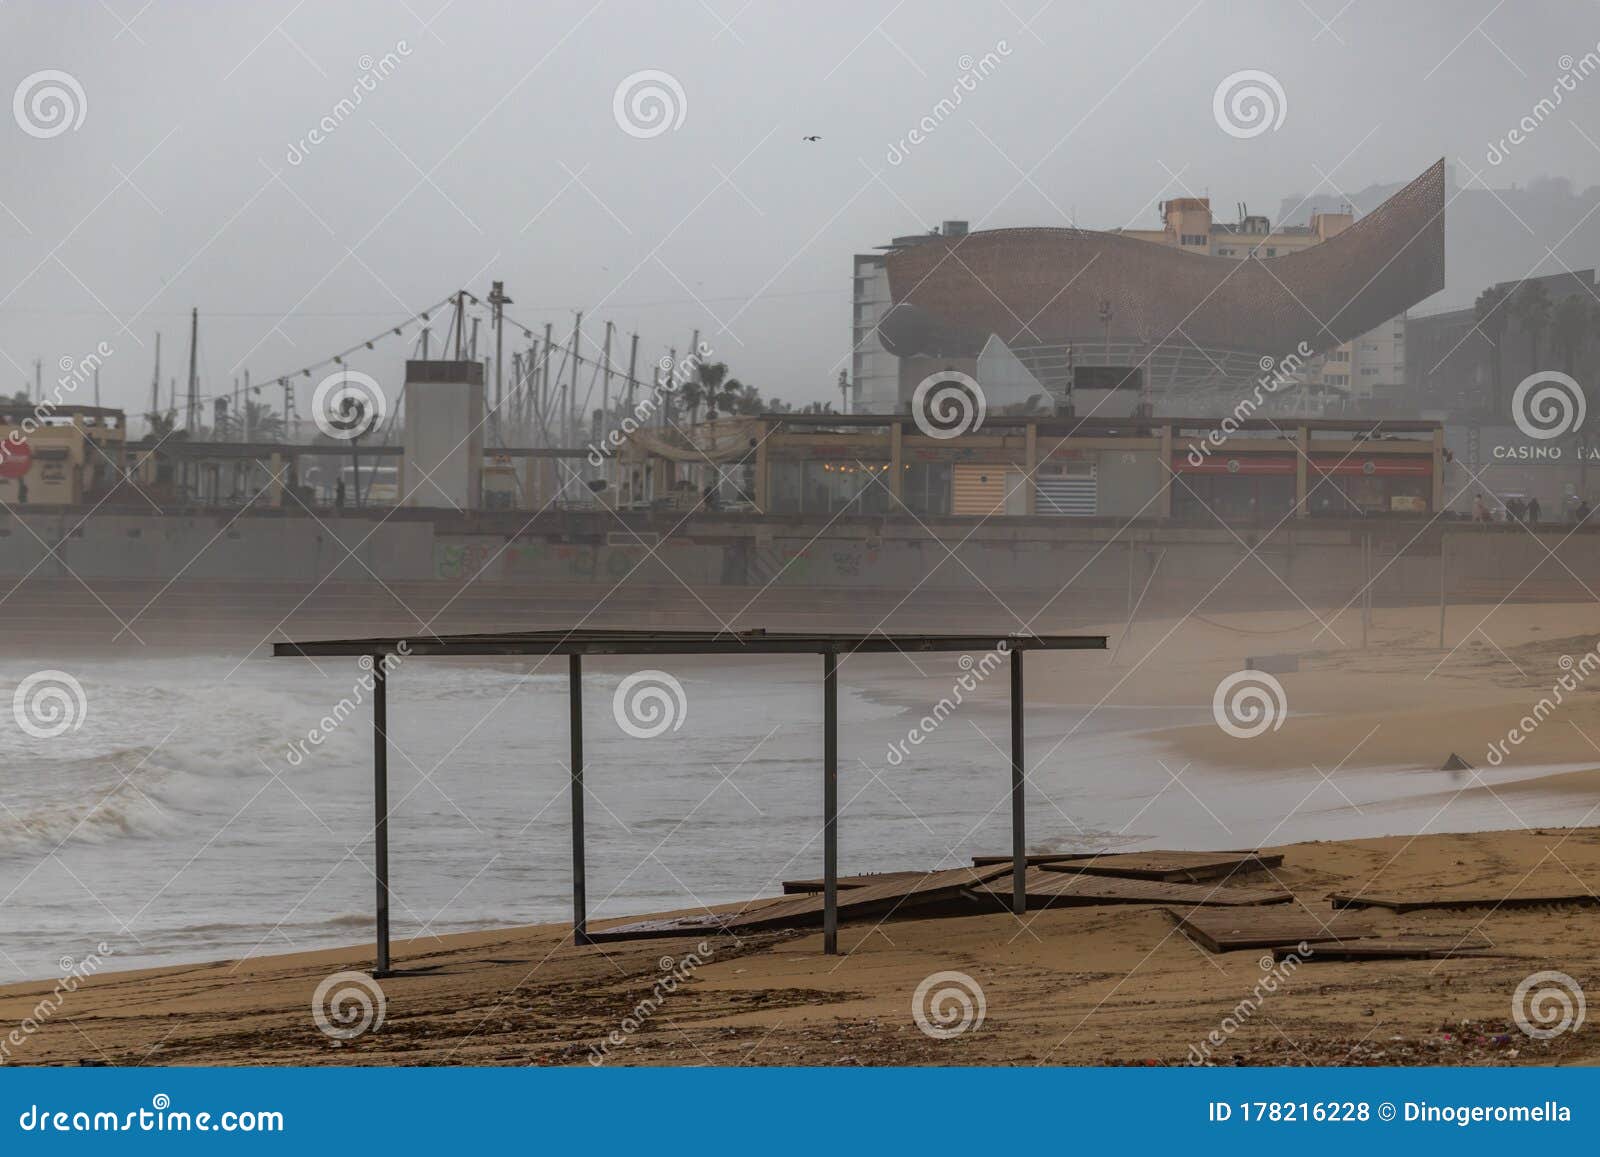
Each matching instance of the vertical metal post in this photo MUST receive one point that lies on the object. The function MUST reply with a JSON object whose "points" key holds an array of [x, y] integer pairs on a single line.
{"points": [[580, 914], [380, 804], [1366, 587], [1019, 836], [1442, 541], [1130, 578], [830, 803]]}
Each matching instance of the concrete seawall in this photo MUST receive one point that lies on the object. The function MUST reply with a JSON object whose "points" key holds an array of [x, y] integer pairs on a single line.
{"points": [[203, 571]]}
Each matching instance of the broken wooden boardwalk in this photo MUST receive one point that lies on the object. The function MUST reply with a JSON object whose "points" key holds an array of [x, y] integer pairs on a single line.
{"points": [[1423, 901], [881, 899], [794, 887], [1047, 889], [1232, 929], [1407, 946], [1188, 867]]}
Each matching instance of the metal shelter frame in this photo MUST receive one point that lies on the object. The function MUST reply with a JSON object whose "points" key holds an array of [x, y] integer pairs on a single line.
{"points": [[577, 643]]}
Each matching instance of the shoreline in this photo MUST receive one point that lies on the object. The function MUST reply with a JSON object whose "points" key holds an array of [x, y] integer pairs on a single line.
{"points": [[1088, 985]]}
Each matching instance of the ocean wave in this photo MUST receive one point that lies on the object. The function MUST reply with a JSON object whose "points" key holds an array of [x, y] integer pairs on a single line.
{"points": [[118, 811]]}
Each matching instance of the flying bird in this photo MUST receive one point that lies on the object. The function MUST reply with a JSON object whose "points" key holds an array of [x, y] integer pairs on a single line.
{"points": [[811, 138]]}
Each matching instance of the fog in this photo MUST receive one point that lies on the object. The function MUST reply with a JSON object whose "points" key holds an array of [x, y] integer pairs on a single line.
{"points": [[490, 150]]}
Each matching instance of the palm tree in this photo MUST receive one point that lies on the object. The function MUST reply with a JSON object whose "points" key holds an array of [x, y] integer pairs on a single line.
{"points": [[162, 427], [257, 423], [708, 380], [1532, 309], [1490, 315], [746, 399], [693, 395], [724, 398]]}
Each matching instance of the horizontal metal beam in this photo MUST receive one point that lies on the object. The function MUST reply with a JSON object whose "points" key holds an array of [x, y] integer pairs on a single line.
{"points": [[579, 643]]}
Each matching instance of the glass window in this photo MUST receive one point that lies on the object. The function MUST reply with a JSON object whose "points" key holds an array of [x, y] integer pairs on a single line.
{"points": [[925, 487], [786, 486], [846, 487]]}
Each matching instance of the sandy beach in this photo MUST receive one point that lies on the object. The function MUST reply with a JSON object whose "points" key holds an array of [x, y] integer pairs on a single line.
{"points": [[1401, 701], [1079, 986], [1092, 985]]}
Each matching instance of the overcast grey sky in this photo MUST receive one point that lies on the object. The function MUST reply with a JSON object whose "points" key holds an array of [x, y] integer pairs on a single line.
{"points": [[492, 150]]}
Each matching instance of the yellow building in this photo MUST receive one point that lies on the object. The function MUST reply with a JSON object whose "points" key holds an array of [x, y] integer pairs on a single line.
{"points": [[59, 457]]}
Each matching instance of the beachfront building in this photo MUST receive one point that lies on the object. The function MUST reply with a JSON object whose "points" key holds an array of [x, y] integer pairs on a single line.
{"points": [[1115, 323], [59, 455], [874, 371], [1183, 469]]}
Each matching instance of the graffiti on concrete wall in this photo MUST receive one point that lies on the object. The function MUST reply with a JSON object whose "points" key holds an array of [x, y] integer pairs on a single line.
{"points": [[495, 560]]}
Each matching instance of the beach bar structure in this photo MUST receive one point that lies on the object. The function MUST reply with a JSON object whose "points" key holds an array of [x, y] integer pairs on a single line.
{"points": [[577, 643]]}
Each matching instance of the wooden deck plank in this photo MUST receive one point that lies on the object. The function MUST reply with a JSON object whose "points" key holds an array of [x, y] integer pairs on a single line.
{"points": [[1405, 947], [1176, 867], [1057, 889], [871, 900], [801, 887], [1229, 929], [1422, 901]]}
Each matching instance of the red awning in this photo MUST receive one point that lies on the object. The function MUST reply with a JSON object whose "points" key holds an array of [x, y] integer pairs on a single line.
{"points": [[1224, 463]]}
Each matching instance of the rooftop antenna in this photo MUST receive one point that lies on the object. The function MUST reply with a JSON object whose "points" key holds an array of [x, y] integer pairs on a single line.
{"points": [[191, 416], [498, 299], [605, 387], [155, 379], [572, 394]]}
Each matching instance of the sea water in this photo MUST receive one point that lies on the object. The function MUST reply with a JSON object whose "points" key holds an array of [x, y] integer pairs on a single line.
{"points": [[198, 807]]}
